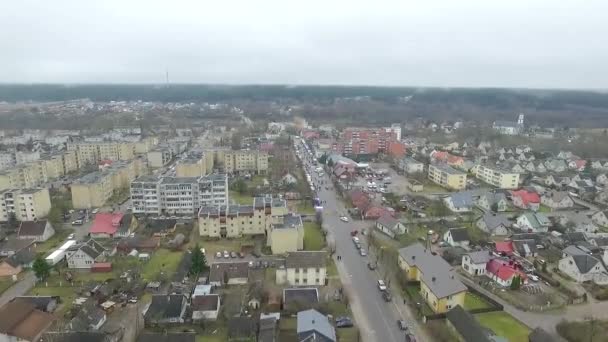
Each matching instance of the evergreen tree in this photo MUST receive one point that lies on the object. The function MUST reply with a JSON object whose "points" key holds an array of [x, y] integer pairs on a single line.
{"points": [[199, 261], [516, 283], [41, 268]]}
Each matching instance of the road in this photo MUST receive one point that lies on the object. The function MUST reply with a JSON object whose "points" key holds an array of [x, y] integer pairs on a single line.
{"points": [[18, 289], [376, 319]]}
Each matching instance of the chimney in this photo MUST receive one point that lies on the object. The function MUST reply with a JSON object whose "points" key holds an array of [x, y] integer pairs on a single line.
{"points": [[413, 257], [433, 279], [313, 321]]}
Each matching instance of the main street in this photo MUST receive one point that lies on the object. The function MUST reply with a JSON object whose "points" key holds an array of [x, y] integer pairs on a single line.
{"points": [[376, 319]]}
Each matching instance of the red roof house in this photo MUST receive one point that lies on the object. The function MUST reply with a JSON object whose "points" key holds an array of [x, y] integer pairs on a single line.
{"points": [[503, 271], [101, 267], [505, 247], [525, 199], [105, 225], [440, 155], [374, 212]]}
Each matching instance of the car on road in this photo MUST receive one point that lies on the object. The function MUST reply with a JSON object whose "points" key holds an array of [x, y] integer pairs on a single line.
{"points": [[372, 265], [381, 285], [402, 325], [77, 223], [362, 252], [344, 322], [354, 233], [387, 296], [226, 254], [343, 218], [218, 255], [95, 211]]}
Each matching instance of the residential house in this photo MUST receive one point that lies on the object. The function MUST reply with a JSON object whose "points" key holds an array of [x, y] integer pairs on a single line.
{"points": [[21, 321], [138, 243], [602, 179], [504, 271], [9, 247], [600, 218], [300, 297], [15, 263], [38, 231], [525, 248], [410, 165], [205, 307], [85, 255], [128, 225], [540, 168], [533, 222], [306, 268], [229, 273], [105, 225], [460, 202], [579, 222], [314, 326], [557, 181], [464, 325], [474, 263], [504, 248], [557, 200], [268, 328], [166, 309], [580, 266], [241, 329], [390, 226], [457, 237], [439, 286], [577, 164], [556, 165], [494, 224], [374, 212], [525, 199], [493, 200], [90, 317]]}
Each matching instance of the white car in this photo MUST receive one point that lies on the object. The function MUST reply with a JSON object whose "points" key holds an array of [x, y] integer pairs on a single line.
{"points": [[343, 218], [95, 211], [381, 285], [362, 252]]}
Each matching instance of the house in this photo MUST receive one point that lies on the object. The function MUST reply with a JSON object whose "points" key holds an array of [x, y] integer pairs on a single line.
{"points": [[579, 222], [14, 264], [465, 326], [229, 273], [287, 235], [524, 248], [315, 327], [90, 317], [410, 165], [602, 179], [205, 307], [460, 202], [494, 224], [9, 247], [556, 181], [374, 212], [42, 303], [241, 329], [21, 321], [579, 265], [556, 165], [160, 227], [289, 179], [306, 268], [85, 255], [577, 164], [38, 231], [128, 225], [457, 237], [439, 285], [533, 222], [105, 225], [390, 226], [493, 200], [525, 199], [138, 243], [165, 337], [600, 218], [504, 248], [474, 263], [503, 272], [300, 297], [166, 309], [557, 200]]}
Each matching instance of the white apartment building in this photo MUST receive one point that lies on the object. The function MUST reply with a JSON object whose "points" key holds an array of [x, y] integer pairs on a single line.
{"points": [[26, 204], [7, 159], [499, 178], [178, 195]]}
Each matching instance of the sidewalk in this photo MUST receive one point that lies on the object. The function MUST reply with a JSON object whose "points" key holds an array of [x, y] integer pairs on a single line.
{"points": [[19, 288]]}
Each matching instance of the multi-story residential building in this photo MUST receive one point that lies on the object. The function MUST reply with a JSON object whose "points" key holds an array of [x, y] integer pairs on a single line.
{"points": [[53, 165], [307, 268], [145, 145], [92, 152], [7, 160], [178, 195], [94, 189], [499, 178], [238, 220], [193, 166], [26, 204], [447, 176], [366, 141], [70, 161], [26, 157], [159, 157], [243, 161], [410, 165]]}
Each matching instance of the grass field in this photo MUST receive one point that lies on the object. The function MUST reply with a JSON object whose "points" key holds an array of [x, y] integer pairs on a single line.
{"points": [[305, 207], [544, 209], [504, 325], [162, 260], [240, 199], [313, 237], [55, 241], [472, 301]]}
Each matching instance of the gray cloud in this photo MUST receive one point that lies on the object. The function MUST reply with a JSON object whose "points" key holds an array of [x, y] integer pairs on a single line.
{"points": [[541, 43]]}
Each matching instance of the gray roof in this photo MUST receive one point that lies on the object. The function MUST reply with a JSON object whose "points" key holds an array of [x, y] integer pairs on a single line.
{"points": [[32, 228], [165, 306], [467, 326], [463, 199], [584, 262], [307, 259], [448, 169], [437, 274], [312, 320], [241, 327], [388, 221], [494, 220], [290, 220], [459, 234], [503, 123], [480, 257]]}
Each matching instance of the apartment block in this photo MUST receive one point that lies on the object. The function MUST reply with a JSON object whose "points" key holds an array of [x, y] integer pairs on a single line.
{"points": [[193, 166], [499, 178], [368, 141], [178, 195], [92, 152], [70, 161], [53, 165], [26, 204], [159, 157], [447, 177], [145, 145], [243, 161]]}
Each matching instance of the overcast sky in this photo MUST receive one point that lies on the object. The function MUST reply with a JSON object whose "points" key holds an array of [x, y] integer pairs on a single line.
{"points": [[466, 43]]}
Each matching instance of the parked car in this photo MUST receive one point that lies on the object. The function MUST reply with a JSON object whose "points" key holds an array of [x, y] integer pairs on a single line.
{"points": [[226, 254], [372, 265], [343, 218], [95, 211], [533, 277], [362, 252], [381, 285], [344, 322], [233, 255], [402, 325], [218, 254], [387, 296], [77, 223]]}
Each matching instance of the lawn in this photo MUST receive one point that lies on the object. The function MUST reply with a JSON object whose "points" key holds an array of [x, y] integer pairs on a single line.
{"points": [[215, 335], [5, 283], [55, 241], [504, 325], [213, 246], [583, 331], [332, 269], [313, 237], [305, 207], [240, 199], [162, 260], [544, 209], [472, 302]]}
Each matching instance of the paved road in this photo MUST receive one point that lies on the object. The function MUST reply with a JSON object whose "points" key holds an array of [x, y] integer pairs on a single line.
{"points": [[376, 319], [18, 289]]}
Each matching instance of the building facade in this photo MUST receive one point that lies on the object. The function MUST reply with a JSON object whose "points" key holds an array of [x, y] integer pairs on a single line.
{"points": [[447, 176], [499, 178], [26, 204]]}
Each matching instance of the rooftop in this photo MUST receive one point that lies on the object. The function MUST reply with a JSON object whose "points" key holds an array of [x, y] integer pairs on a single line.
{"points": [[448, 169], [306, 259]]}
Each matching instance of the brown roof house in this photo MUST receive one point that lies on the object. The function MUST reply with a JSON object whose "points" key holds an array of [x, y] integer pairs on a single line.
{"points": [[14, 264], [21, 321], [205, 307], [39, 231], [229, 273]]}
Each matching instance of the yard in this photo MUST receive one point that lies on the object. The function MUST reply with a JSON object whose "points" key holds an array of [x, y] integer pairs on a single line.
{"points": [[232, 245], [162, 261], [583, 331], [305, 207], [544, 209], [504, 325], [240, 198], [472, 302], [55, 241], [67, 295], [313, 237], [5, 283]]}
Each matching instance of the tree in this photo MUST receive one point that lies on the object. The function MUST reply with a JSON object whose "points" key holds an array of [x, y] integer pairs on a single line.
{"points": [[516, 283], [41, 268], [239, 186], [323, 159], [199, 261], [330, 163]]}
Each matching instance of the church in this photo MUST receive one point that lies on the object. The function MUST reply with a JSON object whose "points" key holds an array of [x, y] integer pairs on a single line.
{"points": [[510, 127]]}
